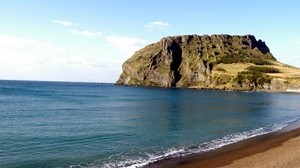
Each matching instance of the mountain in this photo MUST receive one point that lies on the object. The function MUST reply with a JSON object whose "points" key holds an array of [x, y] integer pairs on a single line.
{"points": [[227, 62]]}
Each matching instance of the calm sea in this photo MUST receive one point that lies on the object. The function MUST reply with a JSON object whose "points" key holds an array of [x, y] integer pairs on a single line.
{"points": [[48, 124]]}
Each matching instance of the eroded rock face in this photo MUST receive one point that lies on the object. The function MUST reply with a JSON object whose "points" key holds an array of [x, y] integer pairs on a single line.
{"points": [[188, 61]]}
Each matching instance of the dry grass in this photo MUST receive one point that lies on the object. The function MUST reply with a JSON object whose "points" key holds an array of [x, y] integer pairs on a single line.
{"points": [[285, 71], [233, 69]]}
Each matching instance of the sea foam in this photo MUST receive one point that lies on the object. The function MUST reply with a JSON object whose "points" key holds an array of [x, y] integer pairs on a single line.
{"points": [[201, 148]]}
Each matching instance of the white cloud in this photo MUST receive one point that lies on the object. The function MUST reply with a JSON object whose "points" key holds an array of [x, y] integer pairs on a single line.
{"points": [[127, 45], [91, 34], [17, 52], [28, 59], [18, 42], [74, 31], [64, 23], [85, 33], [156, 25]]}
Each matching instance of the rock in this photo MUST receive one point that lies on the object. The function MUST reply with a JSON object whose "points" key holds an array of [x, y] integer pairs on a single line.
{"points": [[191, 60]]}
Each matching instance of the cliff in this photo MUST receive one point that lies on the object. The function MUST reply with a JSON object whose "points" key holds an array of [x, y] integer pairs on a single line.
{"points": [[206, 62]]}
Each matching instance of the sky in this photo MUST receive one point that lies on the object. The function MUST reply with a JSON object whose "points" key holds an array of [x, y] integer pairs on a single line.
{"points": [[88, 40]]}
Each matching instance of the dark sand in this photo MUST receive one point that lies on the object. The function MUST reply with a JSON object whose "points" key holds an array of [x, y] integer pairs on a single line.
{"points": [[270, 150]]}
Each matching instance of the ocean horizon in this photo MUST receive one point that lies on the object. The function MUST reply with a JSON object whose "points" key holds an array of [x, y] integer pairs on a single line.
{"points": [[91, 125]]}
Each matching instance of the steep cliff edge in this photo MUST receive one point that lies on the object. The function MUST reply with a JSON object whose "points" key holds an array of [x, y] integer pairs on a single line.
{"points": [[206, 62]]}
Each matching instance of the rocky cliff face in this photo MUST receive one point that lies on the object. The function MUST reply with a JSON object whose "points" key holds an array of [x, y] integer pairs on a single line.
{"points": [[193, 61]]}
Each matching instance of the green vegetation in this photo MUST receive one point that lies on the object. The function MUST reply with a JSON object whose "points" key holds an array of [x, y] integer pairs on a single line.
{"points": [[135, 81], [235, 58], [263, 69], [220, 69], [251, 77], [255, 76], [222, 79], [259, 61], [230, 59], [193, 62]]}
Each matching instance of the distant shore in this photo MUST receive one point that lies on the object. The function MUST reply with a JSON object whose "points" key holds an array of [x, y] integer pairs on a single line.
{"points": [[281, 148], [289, 91]]}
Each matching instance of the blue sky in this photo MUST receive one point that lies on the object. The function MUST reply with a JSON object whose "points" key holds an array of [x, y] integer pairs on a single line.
{"points": [[88, 40]]}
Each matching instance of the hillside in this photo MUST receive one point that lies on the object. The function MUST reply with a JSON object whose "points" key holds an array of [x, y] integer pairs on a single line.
{"points": [[209, 62]]}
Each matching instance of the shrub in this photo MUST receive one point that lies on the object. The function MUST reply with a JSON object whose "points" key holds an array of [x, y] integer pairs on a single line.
{"points": [[230, 59], [258, 61], [220, 69], [256, 78], [235, 58], [263, 69]]}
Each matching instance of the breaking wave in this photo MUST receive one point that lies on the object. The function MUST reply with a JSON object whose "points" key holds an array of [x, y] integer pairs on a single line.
{"points": [[146, 158]]}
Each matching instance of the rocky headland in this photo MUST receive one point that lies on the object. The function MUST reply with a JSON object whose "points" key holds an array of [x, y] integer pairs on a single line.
{"points": [[209, 62]]}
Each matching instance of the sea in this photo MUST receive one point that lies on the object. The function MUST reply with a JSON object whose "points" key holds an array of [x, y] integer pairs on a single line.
{"points": [[100, 125]]}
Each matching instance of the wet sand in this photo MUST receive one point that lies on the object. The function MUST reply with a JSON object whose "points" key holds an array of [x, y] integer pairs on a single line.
{"points": [[278, 149]]}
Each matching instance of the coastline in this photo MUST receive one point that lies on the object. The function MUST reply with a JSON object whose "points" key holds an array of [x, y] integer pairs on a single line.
{"points": [[237, 152], [286, 91]]}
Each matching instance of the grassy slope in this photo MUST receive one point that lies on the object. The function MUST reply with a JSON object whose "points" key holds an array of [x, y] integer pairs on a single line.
{"points": [[287, 73]]}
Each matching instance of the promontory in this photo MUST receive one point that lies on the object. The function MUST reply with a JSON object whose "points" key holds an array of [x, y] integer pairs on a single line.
{"points": [[227, 62]]}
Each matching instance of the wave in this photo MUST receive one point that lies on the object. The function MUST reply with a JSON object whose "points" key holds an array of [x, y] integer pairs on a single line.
{"points": [[147, 159]]}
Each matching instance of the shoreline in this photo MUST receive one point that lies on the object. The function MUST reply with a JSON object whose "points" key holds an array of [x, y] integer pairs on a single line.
{"points": [[229, 154], [287, 91]]}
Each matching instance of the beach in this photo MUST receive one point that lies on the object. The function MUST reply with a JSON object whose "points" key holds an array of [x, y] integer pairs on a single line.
{"points": [[278, 149], [284, 156]]}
